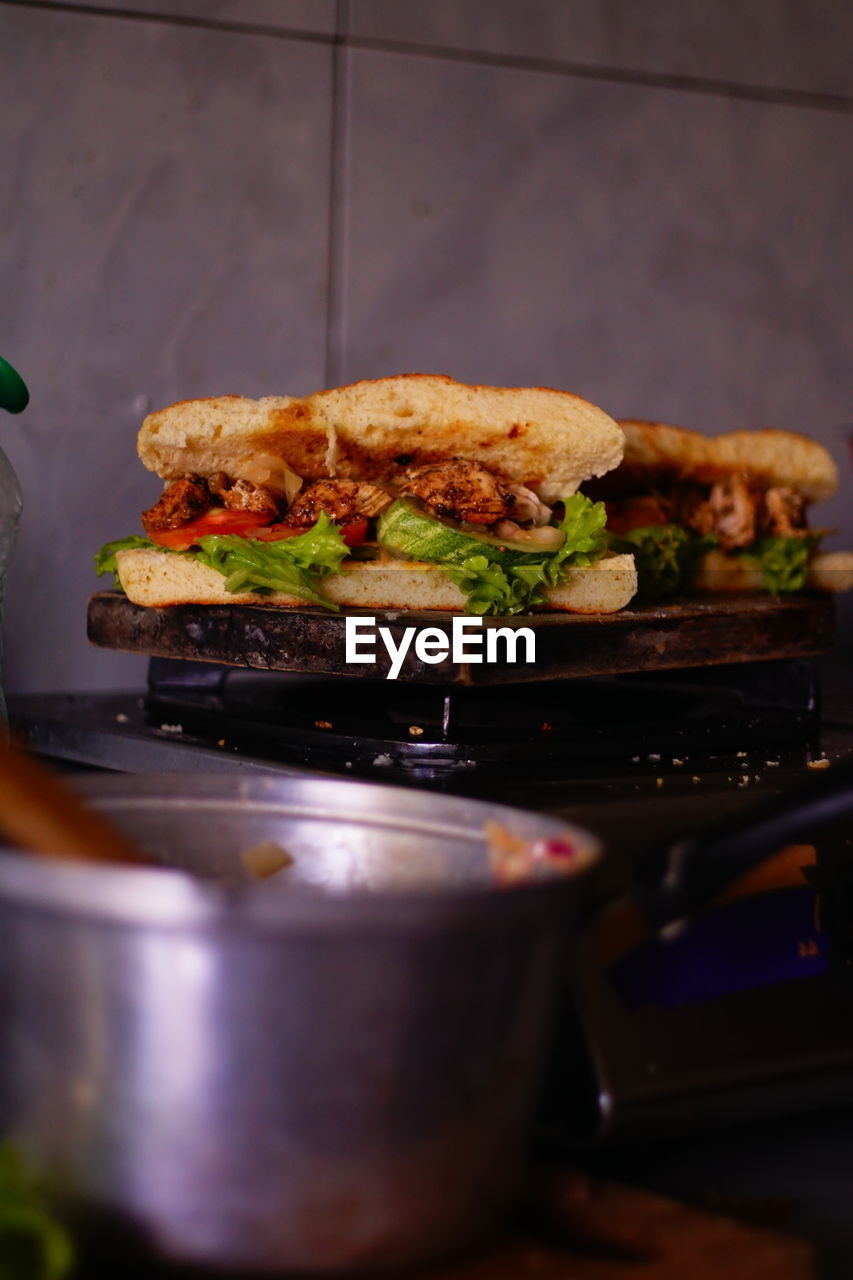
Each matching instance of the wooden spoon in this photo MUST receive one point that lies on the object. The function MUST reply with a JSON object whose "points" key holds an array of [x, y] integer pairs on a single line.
{"points": [[41, 814]]}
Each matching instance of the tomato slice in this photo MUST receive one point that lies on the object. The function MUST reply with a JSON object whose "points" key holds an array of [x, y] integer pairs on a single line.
{"points": [[275, 533], [239, 522], [250, 523], [353, 532]]}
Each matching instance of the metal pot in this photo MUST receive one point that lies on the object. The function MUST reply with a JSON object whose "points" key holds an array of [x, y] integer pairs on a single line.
{"points": [[333, 1069]]}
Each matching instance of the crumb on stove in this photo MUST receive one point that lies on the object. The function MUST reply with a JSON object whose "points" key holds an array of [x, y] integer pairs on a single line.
{"points": [[695, 778], [654, 756], [348, 764], [221, 742], [635, 759], [659, 782], [121, 718], [546, 727], [744, 780], [678, 763], [416, 731], [383, 759], [823, 763], [323, 724], [172, 728], [741, 755], [771, 764]]}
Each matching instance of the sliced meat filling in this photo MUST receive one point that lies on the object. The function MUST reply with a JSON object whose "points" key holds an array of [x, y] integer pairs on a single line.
{"points": [[730, 509], [784, 514], [461, 491], [729, 513], [528, 507], [242, 495], [342, 500], [184, 500], [639, 512]]}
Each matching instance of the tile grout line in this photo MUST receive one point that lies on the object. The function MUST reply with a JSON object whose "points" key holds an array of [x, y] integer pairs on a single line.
{"points": [[812, 99], [336, 247], [804, 98]]}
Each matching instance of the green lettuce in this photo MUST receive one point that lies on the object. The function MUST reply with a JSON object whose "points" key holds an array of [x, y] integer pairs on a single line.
{"points": [[294, 565], [784, 562], [105, 560], [33, 1246], [503, 590], [666, 556], [489, 589]]}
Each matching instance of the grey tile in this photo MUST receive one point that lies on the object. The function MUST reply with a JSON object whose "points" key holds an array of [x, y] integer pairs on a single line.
{"points": [[316, 16], [670, 256], [163, 234], [785, 44]]}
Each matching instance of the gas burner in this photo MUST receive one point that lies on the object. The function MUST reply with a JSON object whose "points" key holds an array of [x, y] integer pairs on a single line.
{"points": [[581, 727]]}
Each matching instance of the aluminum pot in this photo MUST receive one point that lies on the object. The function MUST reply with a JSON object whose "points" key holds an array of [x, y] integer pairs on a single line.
{"points": [[334, 1069]]}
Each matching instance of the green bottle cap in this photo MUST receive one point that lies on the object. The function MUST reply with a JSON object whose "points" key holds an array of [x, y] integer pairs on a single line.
{"points": [[14, 395]]}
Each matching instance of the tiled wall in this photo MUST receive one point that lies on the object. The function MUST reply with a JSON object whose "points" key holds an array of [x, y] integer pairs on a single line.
{"points": [[646, 203]]}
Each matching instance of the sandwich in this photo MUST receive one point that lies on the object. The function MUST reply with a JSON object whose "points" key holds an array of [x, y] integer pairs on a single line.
{"points": [[722, 513], [409, 492]]}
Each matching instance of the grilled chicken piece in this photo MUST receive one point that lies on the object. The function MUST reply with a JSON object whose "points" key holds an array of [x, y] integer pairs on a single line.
{"points": [[242, 495], [342, 500], [784, 514], [528, 508], [461, 491], [638, 513], [184, 500], [729, 513]]}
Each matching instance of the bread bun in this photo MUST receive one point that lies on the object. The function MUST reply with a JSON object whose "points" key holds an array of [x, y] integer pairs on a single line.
{"points": [[157, 579], [767, 457], [719, 572], [549, 440]]}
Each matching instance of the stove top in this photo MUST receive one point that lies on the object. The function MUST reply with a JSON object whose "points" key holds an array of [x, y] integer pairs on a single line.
{"points": [[462, 739]]}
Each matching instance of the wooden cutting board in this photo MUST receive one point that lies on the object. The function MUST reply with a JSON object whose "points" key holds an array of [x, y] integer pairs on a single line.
{"points": [[612, 1232], [689, 633]]}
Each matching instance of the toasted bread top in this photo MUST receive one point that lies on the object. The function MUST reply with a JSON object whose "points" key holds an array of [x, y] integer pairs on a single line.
{"points": [[767, 457], [551, 440]]}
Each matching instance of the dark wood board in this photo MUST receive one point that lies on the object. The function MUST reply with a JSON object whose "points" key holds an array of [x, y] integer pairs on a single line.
{"points": [[689, 633]]}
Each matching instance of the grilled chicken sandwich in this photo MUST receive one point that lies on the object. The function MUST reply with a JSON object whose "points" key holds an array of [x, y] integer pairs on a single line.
{"points": [[722, 513], [412, 492]]}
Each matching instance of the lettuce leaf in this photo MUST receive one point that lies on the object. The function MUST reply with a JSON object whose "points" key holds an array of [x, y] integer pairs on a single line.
{"points": [[784, 562], [33, 1246], [489, 589], [583, 524], [665, 556], [105, 559], [294, 565], [504, 590]]}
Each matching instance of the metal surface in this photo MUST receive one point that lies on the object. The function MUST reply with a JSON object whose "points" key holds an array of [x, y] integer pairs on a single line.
{"points": [[708, 631], [336, 1068], [203, 715]]}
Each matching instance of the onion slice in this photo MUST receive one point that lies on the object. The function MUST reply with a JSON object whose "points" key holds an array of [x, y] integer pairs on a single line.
{"points": [[270, 472], [543, 538]]}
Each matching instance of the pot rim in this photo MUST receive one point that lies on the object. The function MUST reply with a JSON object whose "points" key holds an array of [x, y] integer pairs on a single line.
{"points": [[172, 898]]}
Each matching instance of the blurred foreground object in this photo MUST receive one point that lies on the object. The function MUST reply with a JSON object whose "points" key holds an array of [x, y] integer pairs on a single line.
{"points": [[14, 397], [40, 814], [33, 1246]]}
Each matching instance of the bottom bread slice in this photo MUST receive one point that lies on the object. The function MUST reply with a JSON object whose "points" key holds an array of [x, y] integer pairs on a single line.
{"points": [[719, 572], [157, 579]]}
